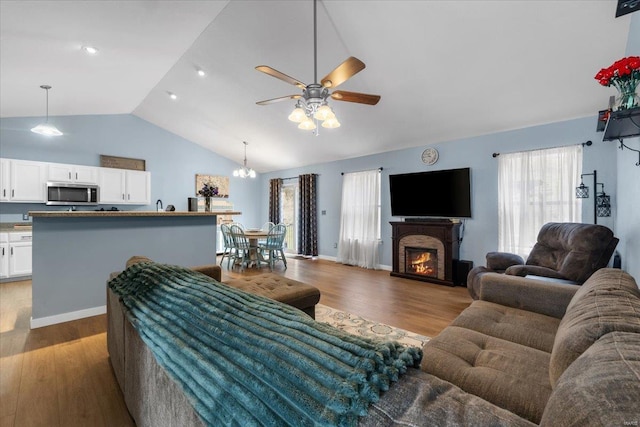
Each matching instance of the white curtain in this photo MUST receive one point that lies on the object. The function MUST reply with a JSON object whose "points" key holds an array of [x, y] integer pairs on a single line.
{"points": [[359, 240], [536, 187]]}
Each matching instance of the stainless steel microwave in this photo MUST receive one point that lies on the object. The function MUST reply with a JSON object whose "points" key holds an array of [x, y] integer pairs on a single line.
{"points": [[66, 193]]}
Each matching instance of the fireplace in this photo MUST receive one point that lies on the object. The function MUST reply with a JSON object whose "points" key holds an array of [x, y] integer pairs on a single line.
{"points": [[425, 250], [421, 261]]}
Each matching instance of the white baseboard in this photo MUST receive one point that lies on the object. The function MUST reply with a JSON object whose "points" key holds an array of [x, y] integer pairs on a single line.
{"points": [[67, 317], [332, 258]]}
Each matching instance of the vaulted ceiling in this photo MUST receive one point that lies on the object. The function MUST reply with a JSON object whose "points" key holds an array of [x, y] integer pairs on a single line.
{"points": [[444, 69]]}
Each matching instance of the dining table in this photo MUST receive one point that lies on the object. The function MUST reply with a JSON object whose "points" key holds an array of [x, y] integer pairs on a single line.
{"points": [[254, 235]]}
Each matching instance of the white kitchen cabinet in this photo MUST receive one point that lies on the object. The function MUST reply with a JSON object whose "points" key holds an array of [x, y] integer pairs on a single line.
{"points": [[15, 254], [27, 181], [59, 172], [138, 187], [112, 185], [4, 255], [4, 180], [124, 186]]}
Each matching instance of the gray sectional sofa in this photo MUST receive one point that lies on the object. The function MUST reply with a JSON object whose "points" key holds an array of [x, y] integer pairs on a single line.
{"points": [[554, 354], [527, 352]]}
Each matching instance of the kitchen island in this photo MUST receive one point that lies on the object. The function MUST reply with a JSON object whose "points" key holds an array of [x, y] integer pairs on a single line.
{"points": [[75, 252]]}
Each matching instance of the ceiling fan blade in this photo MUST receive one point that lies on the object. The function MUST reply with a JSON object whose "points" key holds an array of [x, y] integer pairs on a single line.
{"points": [[278, 75], [343, 72], [274, 100], [361, 98]]}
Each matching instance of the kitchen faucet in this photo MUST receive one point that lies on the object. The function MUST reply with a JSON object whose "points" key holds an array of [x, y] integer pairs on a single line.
{"points": [[161, 207]]}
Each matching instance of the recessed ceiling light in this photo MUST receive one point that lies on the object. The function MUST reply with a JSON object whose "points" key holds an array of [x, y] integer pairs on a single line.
{"points": [[90, 50], [172, 95], [201, 72]]}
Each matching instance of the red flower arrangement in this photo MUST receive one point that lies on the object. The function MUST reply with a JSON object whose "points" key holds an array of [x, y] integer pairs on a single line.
{"points": [[624, 74]]}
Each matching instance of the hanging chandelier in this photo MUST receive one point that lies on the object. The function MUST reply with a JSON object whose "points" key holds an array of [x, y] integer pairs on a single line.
{"points": [[45, 128], [244, 171]]}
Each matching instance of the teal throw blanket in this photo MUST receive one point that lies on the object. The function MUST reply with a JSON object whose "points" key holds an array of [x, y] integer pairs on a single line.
{"points": [[245, 360]]}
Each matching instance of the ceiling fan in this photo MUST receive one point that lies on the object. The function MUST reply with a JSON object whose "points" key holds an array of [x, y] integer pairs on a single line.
{"points": [[312, 103]]}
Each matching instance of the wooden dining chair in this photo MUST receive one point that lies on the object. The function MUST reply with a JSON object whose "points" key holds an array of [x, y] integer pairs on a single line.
{"points": [[272, 250], [228, 246], [265, 227], [242, 248]]}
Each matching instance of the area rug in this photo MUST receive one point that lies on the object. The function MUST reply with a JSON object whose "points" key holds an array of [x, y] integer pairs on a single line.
{"points": [[358, 325]]}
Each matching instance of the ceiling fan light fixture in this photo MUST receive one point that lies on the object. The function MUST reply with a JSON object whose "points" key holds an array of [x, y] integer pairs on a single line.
{"points": [[324, 112], [312, 104], [331, 123], [45, 128], [307, 124], [297, 115]]}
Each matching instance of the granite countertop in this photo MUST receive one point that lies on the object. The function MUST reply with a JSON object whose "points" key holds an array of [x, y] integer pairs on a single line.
{"points": [[121, 214], [9, 227]]}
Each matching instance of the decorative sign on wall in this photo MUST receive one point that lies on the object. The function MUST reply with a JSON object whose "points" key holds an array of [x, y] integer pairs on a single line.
{"points": [[122, 163], [222, 182]]}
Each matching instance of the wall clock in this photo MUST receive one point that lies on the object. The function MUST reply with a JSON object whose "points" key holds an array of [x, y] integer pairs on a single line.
{"points": [[430, 156]]}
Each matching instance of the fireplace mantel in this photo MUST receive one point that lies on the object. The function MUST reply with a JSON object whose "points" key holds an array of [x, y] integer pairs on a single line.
{"points": [[447, 233]]}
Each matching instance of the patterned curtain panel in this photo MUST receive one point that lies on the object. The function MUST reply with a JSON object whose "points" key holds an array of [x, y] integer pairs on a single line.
{"points": [[275, 188], [308, 217]]}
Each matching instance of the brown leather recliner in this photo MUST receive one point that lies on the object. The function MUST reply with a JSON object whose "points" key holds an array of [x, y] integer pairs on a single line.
{"points": [[568, 251]]}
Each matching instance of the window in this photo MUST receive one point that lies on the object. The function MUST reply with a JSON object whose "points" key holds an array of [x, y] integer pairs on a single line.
{"points": [[536, 187], [289, 209], [359, 239]]}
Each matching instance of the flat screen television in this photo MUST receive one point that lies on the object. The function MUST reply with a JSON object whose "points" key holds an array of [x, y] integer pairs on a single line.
{"points": [[442, 194]]}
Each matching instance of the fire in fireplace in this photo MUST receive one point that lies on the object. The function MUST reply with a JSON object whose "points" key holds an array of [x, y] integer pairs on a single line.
{"points": [[421, 261]]}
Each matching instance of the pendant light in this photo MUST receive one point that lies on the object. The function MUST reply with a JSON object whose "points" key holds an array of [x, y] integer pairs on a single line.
{"points": [[45, 128], [245, 172]]}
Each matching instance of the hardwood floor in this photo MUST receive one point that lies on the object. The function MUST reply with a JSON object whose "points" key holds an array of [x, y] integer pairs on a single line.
{"points": [[60, 375]]}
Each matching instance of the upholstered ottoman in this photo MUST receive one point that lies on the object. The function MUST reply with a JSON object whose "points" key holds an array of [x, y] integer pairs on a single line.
{"points": [[289, 291]]}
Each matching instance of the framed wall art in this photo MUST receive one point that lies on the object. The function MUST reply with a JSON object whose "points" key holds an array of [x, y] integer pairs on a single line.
{"points": [[222, 182]]}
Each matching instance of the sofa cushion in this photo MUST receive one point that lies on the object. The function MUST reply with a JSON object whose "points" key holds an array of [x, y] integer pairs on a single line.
{"points": [[509, 375], [520, 326], [606, 376], [421, 399], [609, 301], [538, 296]]}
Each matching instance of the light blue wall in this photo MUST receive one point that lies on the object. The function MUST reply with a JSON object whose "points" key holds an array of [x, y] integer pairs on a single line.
{"points": [[73, 258], [628, 212], [481, 233], [173, 161]]}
